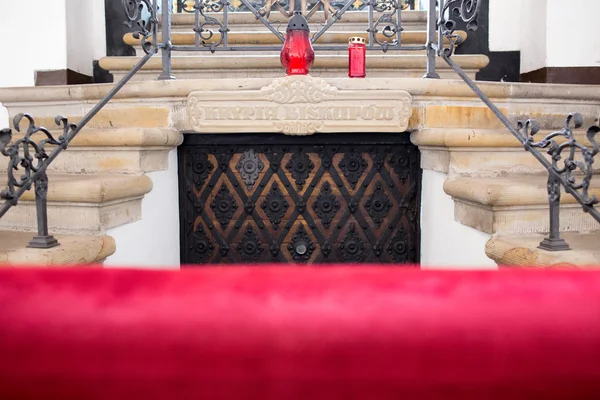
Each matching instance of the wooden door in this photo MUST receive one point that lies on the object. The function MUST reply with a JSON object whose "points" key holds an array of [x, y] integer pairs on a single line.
{"points": [[335, 198]]}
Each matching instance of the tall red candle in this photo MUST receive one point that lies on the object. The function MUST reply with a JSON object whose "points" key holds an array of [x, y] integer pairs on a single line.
{"points": [[357, 57]]}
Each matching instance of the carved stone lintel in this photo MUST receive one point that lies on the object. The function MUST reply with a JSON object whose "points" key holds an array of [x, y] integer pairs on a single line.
{"points": [[299, 105], [302, 90]]}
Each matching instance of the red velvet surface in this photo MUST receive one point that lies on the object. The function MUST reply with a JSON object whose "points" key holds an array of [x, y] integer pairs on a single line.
{"points": [[299, 333]]}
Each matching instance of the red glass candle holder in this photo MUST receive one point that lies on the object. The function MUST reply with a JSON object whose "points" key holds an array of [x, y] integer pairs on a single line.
{"points": [[297, 54], [357, 57]]}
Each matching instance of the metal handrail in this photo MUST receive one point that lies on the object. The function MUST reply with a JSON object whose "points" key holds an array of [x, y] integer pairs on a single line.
{"points": [[388, 23], [32, 160], [572, 174]]}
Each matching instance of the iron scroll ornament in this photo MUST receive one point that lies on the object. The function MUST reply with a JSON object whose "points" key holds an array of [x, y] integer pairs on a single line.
{"points": [[453, 10], [27, 155], [576, 173], [146, 29], [387, 22]]}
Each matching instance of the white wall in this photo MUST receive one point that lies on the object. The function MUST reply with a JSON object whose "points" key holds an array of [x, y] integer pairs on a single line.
{"points": [[573, 35], [34, 37], [549, 33], [445, 243], [45, 35], [86, 34], [519, 25], [4, 119], [152, 242]]}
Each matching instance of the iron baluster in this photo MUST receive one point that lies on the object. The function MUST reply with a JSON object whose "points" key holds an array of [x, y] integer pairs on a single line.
{"points": [[371, 22], [197, 23], [399, 23], [262, 19], [390, 20], [554, 242], [338, 14], [167, 9], [431, 33], [43, 240], [562, 174]]}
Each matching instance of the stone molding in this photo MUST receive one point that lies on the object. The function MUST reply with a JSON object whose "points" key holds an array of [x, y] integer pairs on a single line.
{"points": [[298, 105], [424, 89]]}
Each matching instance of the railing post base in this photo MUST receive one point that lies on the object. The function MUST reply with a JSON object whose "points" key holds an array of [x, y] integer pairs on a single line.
{"points": [[43, 242], [166, 77], [431, 76], [554, 245]]}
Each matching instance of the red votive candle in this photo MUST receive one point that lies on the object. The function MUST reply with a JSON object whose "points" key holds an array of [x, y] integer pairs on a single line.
{"points": [[357, 57], [297, 54]]}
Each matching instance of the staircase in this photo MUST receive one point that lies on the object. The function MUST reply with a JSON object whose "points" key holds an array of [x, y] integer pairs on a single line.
{"points": [[498, 189], [246, 30], [96, 185]]}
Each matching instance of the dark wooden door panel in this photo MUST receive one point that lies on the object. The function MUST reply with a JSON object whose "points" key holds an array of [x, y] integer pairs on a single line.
{"points": [[336, 198]]}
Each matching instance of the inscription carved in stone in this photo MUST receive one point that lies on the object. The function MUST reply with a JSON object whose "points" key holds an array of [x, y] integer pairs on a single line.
{"points": [[299, 105]]}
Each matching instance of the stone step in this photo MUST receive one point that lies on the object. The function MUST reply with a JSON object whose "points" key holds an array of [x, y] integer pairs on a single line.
{"points": [[269, 66], [73, 250], [267, 38], [88, 204], [481, 152], [277, 52], [410, 20], [515, 205], [523, 251], [247, 18], [113, 150], [151, 118]]}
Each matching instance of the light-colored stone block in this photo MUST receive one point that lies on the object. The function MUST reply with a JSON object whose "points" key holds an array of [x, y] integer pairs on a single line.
{"points": [[523, 251], [299, 105], [79, 250]]}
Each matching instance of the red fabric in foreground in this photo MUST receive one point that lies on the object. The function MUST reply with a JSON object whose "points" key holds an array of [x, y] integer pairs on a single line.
{"points": [[299, 333]]}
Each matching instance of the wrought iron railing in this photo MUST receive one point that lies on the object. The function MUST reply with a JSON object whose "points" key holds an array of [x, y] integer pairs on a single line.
{"points": [[29, 157], [211, 25], [572, 163], [285, 7]]}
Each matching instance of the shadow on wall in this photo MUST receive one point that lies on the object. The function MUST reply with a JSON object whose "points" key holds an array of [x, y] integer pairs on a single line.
{"points": [[504, 65], [115, 30], [4, 123]]}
